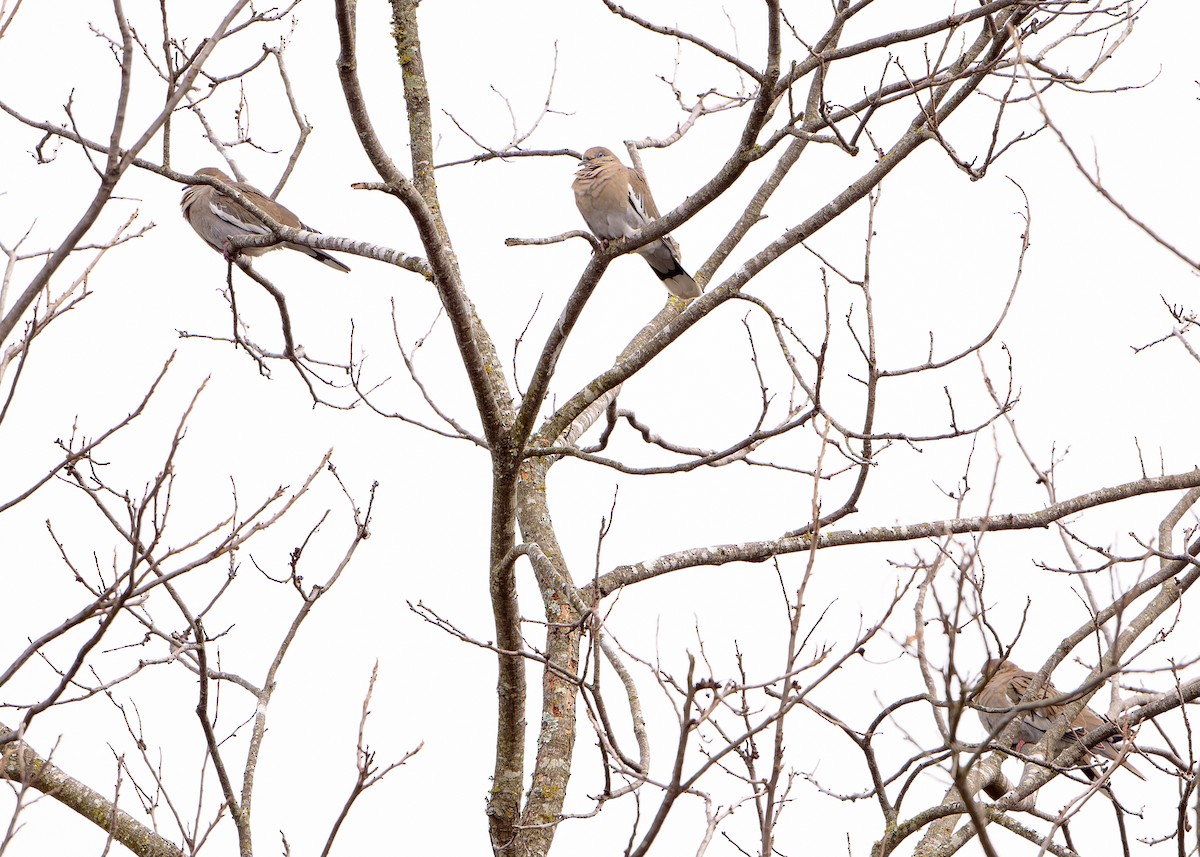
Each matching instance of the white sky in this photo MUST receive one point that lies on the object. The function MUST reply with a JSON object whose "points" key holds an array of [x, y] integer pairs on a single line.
{"points": [[944, 261]]}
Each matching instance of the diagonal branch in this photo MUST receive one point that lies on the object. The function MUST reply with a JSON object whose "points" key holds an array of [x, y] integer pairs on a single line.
{"points": [[21, 764]]}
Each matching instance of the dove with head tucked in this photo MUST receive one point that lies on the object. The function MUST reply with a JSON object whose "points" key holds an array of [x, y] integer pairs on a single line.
{"points": [[1005, 684]]}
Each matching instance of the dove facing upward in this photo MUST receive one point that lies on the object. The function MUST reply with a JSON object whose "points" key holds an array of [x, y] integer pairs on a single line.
{"points": [[615, 202], [1004, 685], [218, 218]]}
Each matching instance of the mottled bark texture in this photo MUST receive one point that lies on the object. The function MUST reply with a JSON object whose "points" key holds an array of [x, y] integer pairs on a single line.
{"points": [[21, 765]]}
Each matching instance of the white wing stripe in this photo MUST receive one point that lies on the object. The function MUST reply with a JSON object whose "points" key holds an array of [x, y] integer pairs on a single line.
{"points": [[639, 205], [229, 215]]}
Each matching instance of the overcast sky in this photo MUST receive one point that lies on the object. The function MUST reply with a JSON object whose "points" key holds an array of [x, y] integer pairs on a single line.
{"points": [[945, 257]]}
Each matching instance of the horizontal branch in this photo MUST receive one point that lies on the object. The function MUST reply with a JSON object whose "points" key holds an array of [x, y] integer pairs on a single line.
{"points": [[793, 542], [321, 241], [554, 239]]}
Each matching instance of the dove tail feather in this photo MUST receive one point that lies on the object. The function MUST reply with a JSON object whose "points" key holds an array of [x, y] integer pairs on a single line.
{"points": [[678, 281]]}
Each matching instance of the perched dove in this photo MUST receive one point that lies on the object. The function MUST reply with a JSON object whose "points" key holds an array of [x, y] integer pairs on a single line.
{"points": [[1004, 685], [615, 201], [217, 218]]}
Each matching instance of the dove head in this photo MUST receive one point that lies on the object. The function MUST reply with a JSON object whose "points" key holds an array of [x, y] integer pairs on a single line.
{"points": [[597, 153], [214, 173]]}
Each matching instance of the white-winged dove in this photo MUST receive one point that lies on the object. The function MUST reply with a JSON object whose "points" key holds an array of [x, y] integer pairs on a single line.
{"points": [[1004, 685], [615, 201], [217, 218]]}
